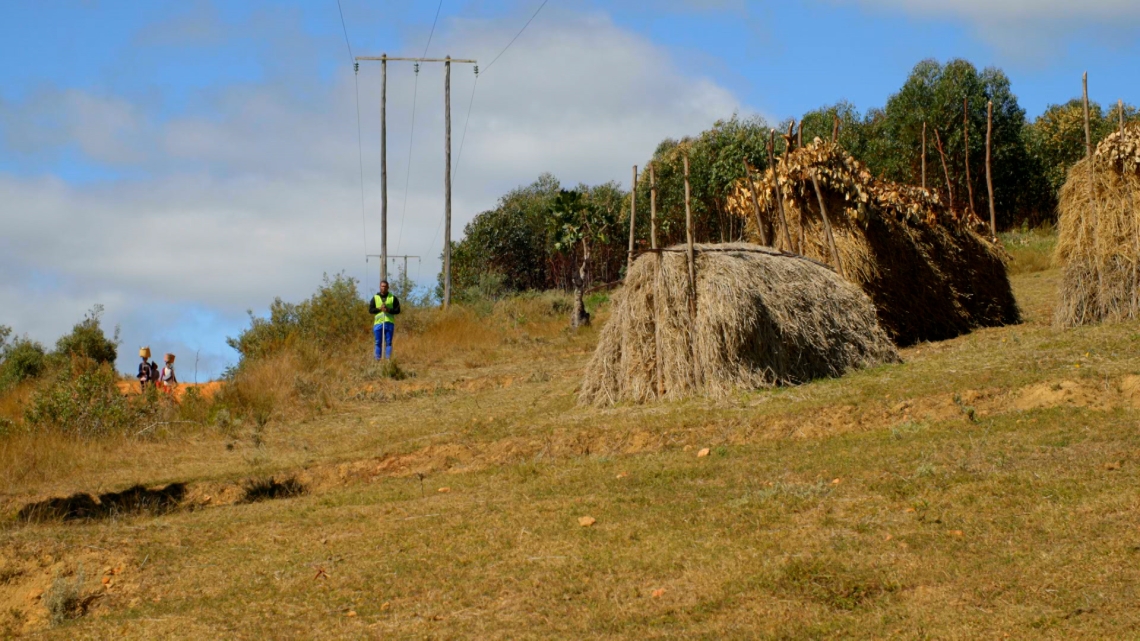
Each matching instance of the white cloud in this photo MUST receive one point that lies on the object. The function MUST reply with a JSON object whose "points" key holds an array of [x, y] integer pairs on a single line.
{"points": [[257, 194], [1023, 28]]}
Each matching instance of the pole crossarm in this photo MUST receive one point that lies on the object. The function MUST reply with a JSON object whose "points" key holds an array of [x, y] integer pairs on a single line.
{"points": [[382, 58]]}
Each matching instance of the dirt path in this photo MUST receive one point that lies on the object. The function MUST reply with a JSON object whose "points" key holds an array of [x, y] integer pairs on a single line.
{"points": [[207, 390]]}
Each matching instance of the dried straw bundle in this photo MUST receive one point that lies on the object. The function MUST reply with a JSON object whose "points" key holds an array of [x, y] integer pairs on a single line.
{"points": [[929, 275], [763, 318], [1099, 239]]}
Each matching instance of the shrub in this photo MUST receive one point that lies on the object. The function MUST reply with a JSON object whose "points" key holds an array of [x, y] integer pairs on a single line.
{"points": [[88, 340], [333, 316], [20, 360], [64, 599], [81, 400]]}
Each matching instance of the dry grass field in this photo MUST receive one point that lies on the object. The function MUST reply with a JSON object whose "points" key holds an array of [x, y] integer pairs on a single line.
{"points": [[985, 488]]}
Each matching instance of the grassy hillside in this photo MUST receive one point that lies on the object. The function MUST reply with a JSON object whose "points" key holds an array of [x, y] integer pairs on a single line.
{"points": [[985, 487]]}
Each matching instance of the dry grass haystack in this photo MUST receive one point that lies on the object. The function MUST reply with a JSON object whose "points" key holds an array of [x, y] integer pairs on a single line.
{"points": [[1099, 239], [930, 276], [762, 318]]}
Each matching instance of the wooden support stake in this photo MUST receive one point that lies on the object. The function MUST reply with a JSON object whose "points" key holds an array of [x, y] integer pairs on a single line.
{"points": [[790, 138], [632, 220], [779, 193], [689, 240], [989, 162], [1120, 109], [1088, 131], [945, 170], [827, 226], [924, 155], [755, 204], [966, 134], [800, 136], [835, 131], [692, 278], [652, 208]]}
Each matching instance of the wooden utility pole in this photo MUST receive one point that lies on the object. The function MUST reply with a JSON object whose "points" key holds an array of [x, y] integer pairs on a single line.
{"points": [[966, 134], [652, 208], [1088, 131], [383, 169], [779, 194], [755, 204], [989, 161], [632, 219], [384, 59], [447, 182], [924, 155], [945, 170], [404, 257], [827, 226]]}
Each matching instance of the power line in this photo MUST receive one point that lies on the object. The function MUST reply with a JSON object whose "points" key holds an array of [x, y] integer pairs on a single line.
{"points": [[412, 133], [432, 28], [517, 34], [345, 28], [360, 159], [359, 138], [458, 156], [463, 137], [408, 166]]}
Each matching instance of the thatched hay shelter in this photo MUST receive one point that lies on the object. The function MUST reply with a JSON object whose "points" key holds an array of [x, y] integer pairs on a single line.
{"points": [[930, 276], [1099, 237], [762, 318]]}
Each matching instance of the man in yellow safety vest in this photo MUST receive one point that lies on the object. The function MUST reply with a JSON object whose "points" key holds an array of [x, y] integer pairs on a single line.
{"points": [[384, 307]]}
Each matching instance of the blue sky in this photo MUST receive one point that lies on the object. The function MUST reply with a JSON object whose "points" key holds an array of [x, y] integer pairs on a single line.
{"points": [[182, 162]]}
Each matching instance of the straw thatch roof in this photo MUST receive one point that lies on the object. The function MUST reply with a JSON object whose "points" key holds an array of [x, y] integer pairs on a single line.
{"points": [[930, 276], [1099, 238], [762, 318]]}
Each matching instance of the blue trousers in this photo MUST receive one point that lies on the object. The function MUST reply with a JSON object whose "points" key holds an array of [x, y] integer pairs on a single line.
{"points": [[383, 334]]}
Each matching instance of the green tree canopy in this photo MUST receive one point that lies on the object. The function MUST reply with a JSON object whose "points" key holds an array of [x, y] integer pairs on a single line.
{"points": [[716, 161], [88, 340], [944, 97], [1056, 139]]}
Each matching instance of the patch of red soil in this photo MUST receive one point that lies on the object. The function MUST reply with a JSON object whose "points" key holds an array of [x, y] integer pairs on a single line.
{"points": [[207, 390]]}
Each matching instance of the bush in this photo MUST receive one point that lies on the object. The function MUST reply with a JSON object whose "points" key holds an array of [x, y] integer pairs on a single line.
{"points": [[81, 400], [20, 360], [333, 317], [87, 340]]}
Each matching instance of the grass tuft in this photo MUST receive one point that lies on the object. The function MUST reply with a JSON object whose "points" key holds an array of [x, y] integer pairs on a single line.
{"points": [[64, 598], [254, 490], [834, 584]]}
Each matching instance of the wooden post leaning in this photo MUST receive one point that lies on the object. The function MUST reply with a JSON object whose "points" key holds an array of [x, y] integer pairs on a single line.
{"points": [[692, 277], [966, 134], [924, 155], [945, 169], [632, 220], [652, 208], [755, 204], [989, 161], [827, 226], [779, 193], [1088, 132]]}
